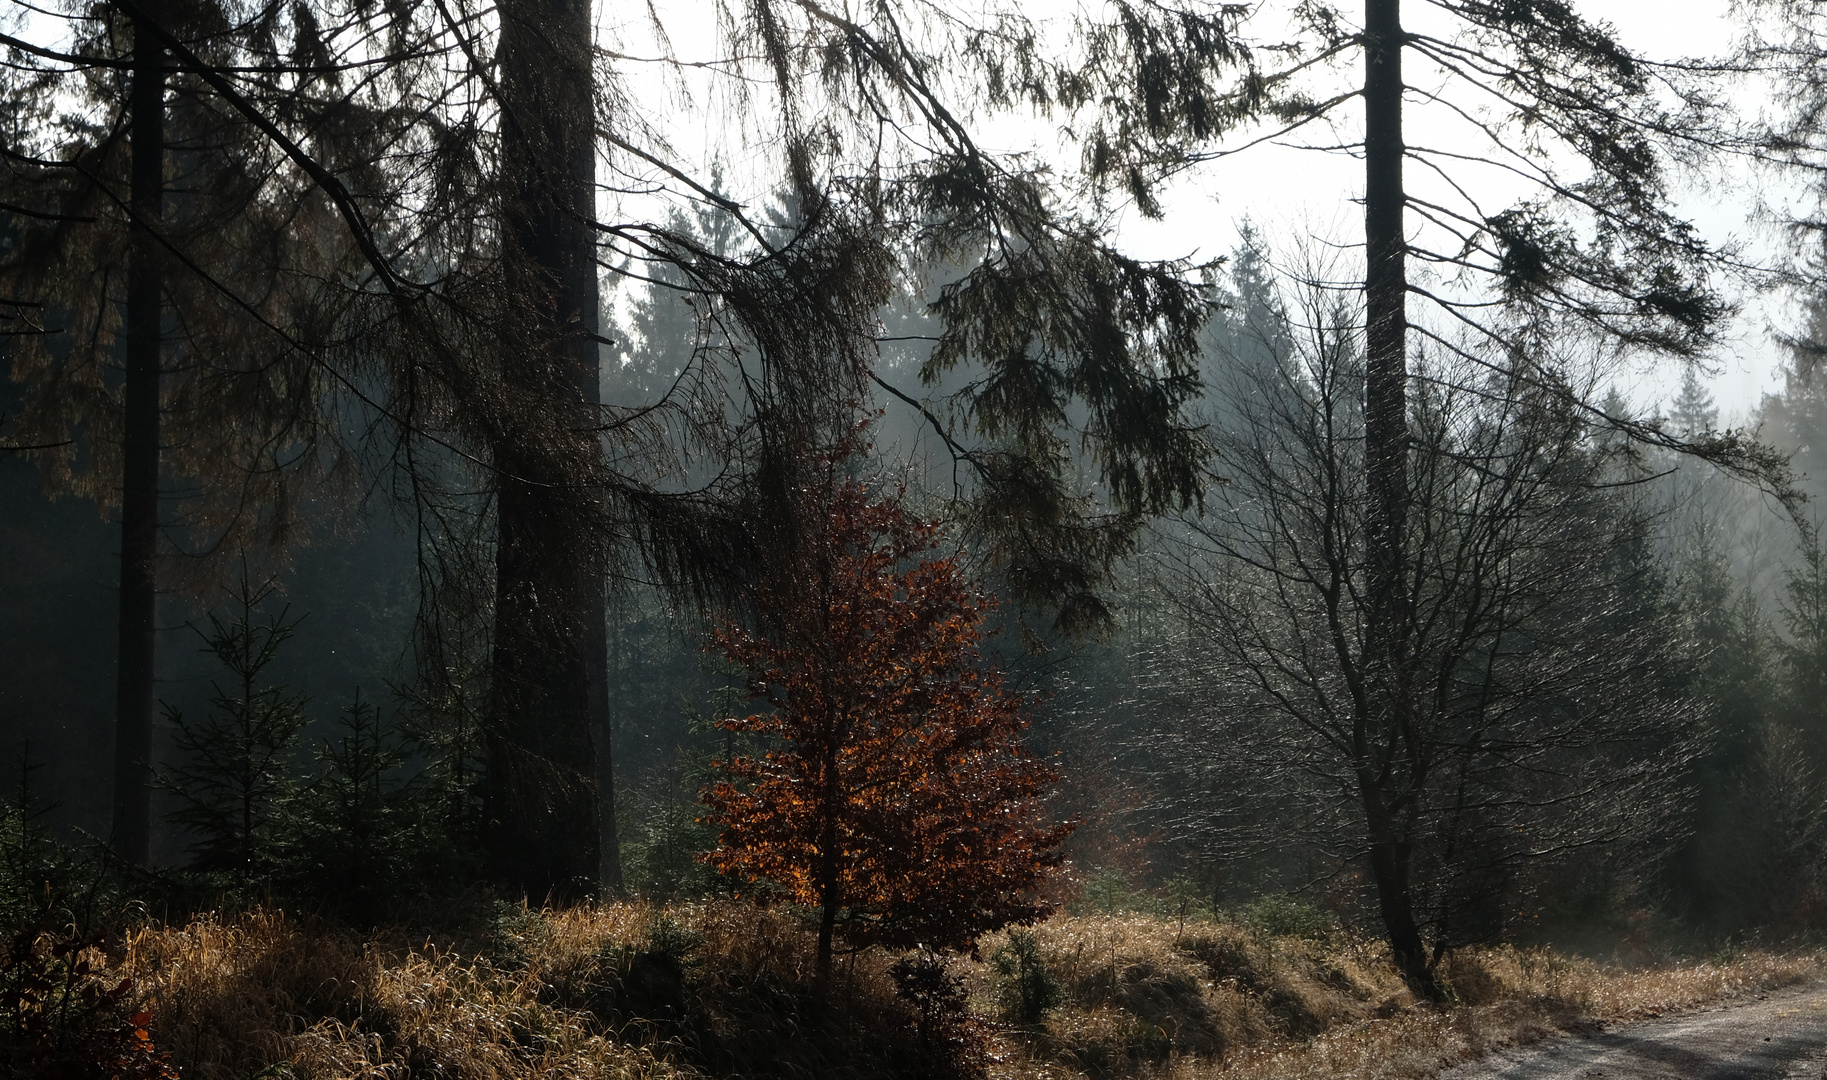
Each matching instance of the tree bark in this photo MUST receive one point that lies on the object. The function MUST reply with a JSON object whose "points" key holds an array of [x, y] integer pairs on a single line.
{"points": [[1391, 861], [609, 873], [549, 662], [131, 827], [828, 894], [1387, 629]]}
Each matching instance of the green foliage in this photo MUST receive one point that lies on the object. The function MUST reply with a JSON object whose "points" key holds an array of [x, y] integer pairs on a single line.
{"points": [[1289, 916], [1184, 897], [233, 780], [35, 871], [516, 931], [647, 985], [1804, 655], [61, 1013], [1025, 990], [662, 834], [356, 839], [950, 1041], [388, 818], [1108, 892], [441, 721]]}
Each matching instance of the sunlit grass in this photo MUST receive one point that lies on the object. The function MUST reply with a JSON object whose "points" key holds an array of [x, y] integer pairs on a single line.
{"points": [[633, 991]]}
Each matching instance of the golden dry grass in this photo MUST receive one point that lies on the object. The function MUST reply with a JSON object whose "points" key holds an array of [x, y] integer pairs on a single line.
{"points": [[635, 992], [258, 994], [1152, 998]]}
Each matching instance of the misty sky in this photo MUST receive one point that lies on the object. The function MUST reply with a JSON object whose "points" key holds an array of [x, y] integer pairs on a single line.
{"points": [[1288, 193], [1291, 193]]}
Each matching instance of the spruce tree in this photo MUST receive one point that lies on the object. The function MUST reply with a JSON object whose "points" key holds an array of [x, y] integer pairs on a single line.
{"points": [[234, 775]]}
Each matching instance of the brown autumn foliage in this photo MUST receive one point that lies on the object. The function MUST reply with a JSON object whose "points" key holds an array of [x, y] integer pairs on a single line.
{"points": [[895, 797], [65, 1014]]}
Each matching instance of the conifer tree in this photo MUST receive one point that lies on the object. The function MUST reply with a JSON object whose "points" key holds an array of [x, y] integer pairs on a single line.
{"points": [[1692, 414], [456, 185], [234, 773], [218, 390], [1804, 654], [1551, 101]]}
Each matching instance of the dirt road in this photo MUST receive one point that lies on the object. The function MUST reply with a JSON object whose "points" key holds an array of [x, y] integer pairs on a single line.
{"points": [[1781, 1035]]}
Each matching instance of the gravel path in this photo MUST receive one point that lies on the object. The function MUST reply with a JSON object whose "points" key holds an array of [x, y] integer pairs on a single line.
{"points": [[1779, 1035]]}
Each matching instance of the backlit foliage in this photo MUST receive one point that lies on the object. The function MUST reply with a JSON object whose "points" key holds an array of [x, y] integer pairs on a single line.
{"points": [[896, 797]]}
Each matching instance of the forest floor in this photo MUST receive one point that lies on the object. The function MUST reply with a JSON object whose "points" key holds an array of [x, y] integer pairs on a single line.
{"points": [[719, 990]]}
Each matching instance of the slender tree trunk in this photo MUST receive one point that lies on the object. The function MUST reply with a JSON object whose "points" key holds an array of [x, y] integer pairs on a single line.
{"points": [[132, 821], [548, 663], [609, 873], [829, 856], [827, 920], [1387, 641]]}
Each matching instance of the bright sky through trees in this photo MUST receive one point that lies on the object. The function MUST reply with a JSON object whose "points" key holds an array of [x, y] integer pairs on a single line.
{"points": [[1290, 190], [1286, 189]]}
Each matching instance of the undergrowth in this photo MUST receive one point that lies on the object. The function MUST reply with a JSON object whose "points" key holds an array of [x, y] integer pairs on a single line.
{"points": [[719, 989]]}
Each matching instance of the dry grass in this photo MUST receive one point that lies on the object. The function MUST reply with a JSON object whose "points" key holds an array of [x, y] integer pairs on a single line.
{"points": [[1522, 996], [622, 991], [258, 994], [720, 990], [1152, 998]]}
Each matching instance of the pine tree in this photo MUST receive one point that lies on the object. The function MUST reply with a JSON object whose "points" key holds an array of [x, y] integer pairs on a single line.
{"points": [[352, 846], [1693, 414], [233, 777]]}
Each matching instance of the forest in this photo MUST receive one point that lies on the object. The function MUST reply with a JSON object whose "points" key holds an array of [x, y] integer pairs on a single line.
{"points": [[780, 538]]}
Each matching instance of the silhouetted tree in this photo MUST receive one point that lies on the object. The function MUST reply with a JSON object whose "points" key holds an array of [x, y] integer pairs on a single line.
{"points": [[234, 775], [1541, 717], [1533, 96]]}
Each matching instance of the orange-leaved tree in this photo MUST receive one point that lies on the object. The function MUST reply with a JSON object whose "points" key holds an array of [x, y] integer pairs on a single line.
{"points": [[895, 796]]}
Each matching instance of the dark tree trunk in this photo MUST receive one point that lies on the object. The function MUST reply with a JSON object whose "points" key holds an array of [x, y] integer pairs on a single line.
{"points": [[829, 855], [1387, 639], [609, 873], [131, 828], [1391, 862], [827, 920], [549, 663]]}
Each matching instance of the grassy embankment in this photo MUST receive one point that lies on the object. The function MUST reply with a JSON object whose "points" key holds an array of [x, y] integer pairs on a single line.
{"points": [[721, 990]]}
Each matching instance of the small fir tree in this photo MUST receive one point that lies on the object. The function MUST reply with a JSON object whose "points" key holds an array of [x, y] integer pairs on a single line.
{"points": [[352, 851], [896, 799], [232, 780]]}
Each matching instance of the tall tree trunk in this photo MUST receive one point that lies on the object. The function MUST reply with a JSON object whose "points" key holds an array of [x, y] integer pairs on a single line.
{"points": [[132, 821], [549, 664], [1387, 642], [609, 872], [829, 898]]}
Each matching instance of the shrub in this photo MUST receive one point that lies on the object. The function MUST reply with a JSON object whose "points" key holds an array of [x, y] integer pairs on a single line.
{"points": [[1289, 916], [356, 843], [1025, 989], [951, 1043], [62, 1016]]}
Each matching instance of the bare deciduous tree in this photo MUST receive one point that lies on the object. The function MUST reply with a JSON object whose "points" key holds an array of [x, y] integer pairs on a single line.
{"points": [[1538, 716]]}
